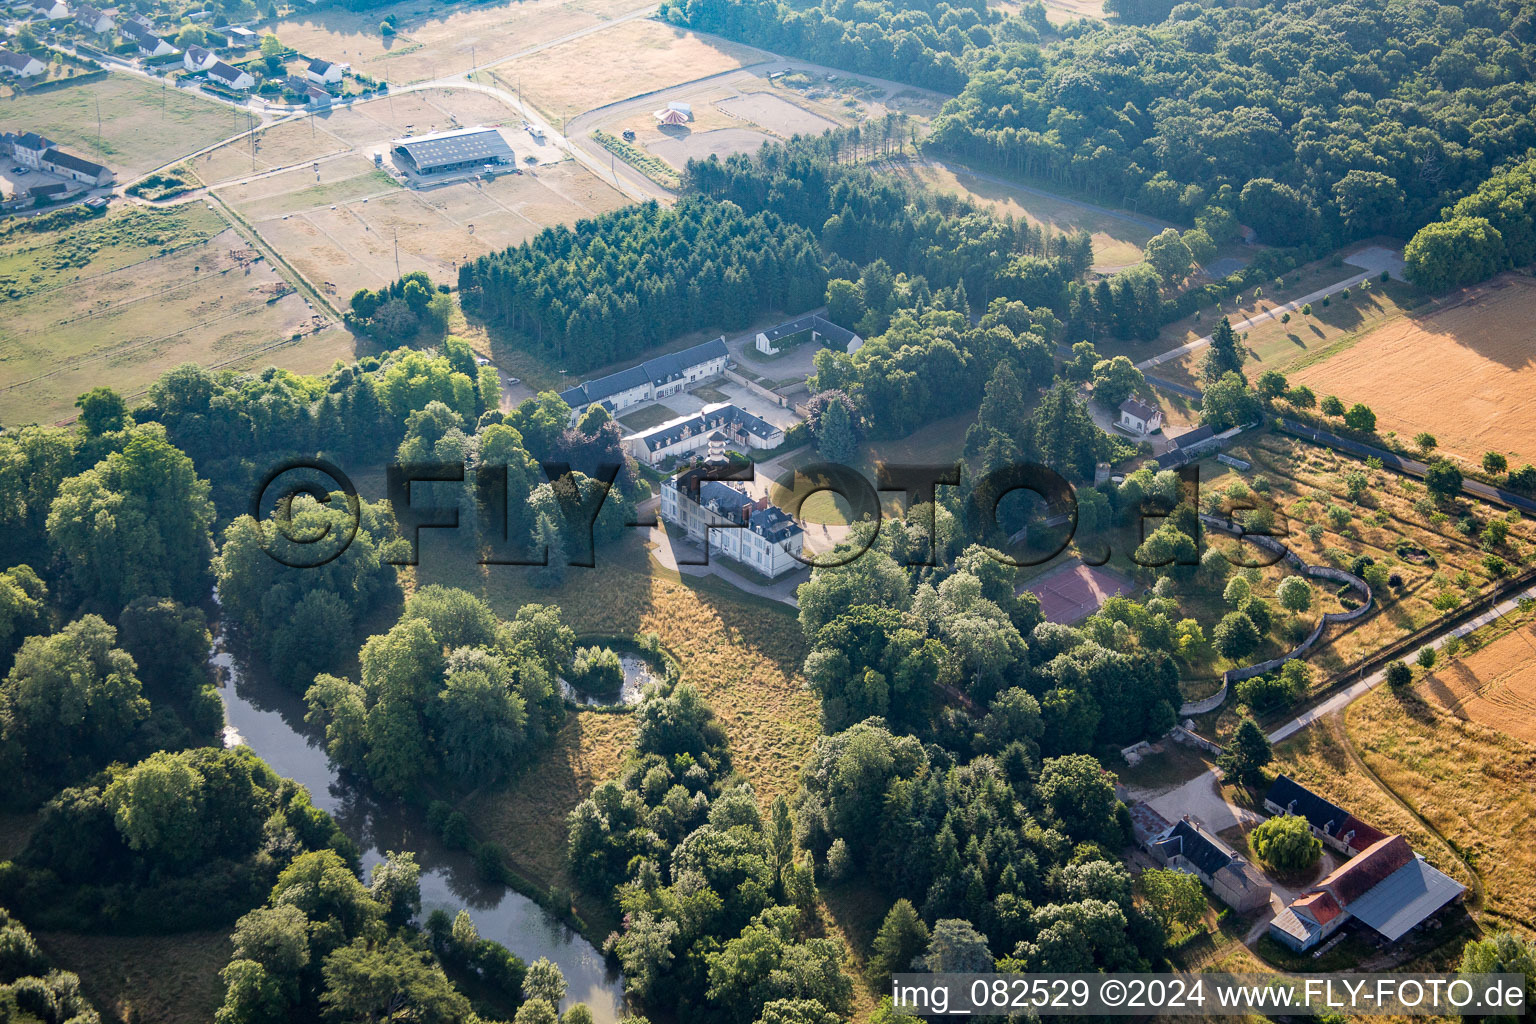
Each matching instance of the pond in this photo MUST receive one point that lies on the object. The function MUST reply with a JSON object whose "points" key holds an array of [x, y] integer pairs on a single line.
{"points": [[638, 674], [270, 720]]}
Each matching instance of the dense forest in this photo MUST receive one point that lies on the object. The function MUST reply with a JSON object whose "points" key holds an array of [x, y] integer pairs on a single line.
{"points": [[617, 285], [912, 41], [1338, 120]]}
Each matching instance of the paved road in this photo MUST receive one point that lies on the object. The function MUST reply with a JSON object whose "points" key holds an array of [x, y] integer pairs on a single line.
{"points": [[1374, 260], [1411, 467], [1350, 694]]}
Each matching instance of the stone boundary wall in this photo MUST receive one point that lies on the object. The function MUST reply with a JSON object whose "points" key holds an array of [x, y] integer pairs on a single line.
{"points": [[756, 388], [1270, 544]]}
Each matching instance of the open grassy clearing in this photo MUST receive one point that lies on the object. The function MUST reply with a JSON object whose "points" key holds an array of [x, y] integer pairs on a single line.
{"points": [[142, 125], [1303, 280], [1309, 340], [124, 299], [1306, 481], [1117, 241], [438, 43], [280, 146], [742, 653], [1492, 685], [1465, 373], [169, 979], [626, 60], [1474, 784]]}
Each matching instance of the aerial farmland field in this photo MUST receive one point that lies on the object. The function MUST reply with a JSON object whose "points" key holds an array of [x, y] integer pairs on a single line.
{"points": [[134, 295], [433, 45], [1464, 373], [142, 125]]}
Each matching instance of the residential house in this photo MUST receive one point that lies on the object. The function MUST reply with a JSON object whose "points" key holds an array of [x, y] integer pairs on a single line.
{"points": [[1336, 827], [650, 380], [822, 331], [198, 59], [323, 72], [67, 165], [149, 44], [230, 77], [1387, 887], [1189, 847], [724, 518], [1138, 417], [26, 148], [93, 20], [20, 65], [53, 10], [721, 421], [307, 91]]}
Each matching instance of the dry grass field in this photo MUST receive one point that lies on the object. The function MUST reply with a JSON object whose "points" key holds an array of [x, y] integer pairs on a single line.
{"points": [[1465, 373], [742, 653], [124, 299], [1474, 784], [1303, 280], [436, 44], [318, 199], [283, 145], [1308, 340], [342, 234], [1494, 685], [616, 63], [1320, 758], [1307, 481], [168, 979], [1117, 241], [142, 125]]}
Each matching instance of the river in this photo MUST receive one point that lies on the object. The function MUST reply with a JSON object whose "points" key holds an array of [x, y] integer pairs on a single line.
{"points": [[270, 720]]}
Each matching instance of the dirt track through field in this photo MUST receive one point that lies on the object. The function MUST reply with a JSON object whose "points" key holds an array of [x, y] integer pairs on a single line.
{"points": [[1466, 373], [1495, 685]]}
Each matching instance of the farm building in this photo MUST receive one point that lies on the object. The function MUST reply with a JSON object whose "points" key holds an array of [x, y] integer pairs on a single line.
{"points": [[67, 165], [323, 72], [230, 77], [1138, 417], [20, 65], [651, 380], [1335, 826], [198, 59], [747, 529], [1388, 888], [1188, 847], [733, 426], [459, 150], [149, 44], [93, 20], [821, 329]]}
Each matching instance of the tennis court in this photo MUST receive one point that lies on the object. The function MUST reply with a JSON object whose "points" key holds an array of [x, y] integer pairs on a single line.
{"points": [[1076, 591]]}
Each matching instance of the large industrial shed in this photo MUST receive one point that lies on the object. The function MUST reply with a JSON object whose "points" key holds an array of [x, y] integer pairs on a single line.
{"points": [[459, 150]]}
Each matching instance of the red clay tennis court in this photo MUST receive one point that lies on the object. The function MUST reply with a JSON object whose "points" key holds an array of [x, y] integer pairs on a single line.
{"points": [[1076, 591]]}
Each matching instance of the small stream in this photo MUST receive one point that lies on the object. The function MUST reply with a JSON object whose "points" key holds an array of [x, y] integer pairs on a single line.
{"points": [[270, 720]]}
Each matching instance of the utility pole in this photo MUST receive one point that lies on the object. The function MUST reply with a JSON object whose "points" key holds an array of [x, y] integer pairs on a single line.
{"points": [[397, 253], [98, 122]]}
